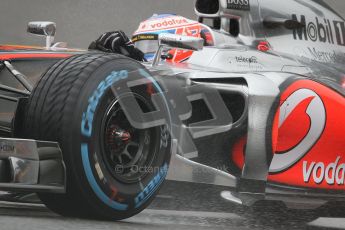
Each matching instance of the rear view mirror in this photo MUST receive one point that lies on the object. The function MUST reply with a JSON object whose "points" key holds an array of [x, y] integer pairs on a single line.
{"points": [[47, 29], [179, 42], [42, 28]]}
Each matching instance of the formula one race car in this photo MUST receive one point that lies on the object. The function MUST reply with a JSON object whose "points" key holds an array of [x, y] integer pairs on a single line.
{"points": [[260, 112]]}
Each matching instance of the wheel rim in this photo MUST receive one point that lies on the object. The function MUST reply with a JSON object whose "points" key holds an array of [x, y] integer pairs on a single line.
{"points": [[127, 152]]}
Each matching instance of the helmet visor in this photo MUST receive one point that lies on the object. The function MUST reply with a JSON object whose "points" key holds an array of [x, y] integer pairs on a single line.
{"points": [[147, 46], [147, 43]]}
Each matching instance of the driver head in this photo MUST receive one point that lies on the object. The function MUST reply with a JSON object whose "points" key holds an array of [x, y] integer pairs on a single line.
{"points": [[145, 37]]}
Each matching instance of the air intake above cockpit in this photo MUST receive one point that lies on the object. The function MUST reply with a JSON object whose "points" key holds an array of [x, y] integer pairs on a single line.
{"points": [[207, 7]]}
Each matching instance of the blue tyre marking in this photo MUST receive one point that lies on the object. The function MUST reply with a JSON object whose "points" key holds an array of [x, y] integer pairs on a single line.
{"points": [[152, 186], [93, 183]]}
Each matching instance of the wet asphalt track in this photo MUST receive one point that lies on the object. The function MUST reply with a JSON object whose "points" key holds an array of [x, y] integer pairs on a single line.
{"points": [[179, 206]]}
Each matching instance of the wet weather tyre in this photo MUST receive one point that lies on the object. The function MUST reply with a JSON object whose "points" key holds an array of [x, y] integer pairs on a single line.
{"points": [[113, 169]]}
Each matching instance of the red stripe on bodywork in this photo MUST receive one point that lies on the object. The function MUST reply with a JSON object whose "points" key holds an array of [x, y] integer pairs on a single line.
{"points": [[32, 55], [19, 47]]}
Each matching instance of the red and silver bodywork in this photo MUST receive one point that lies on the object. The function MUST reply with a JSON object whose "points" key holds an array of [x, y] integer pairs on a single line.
{"points": [[279, 67], [287, 64]]}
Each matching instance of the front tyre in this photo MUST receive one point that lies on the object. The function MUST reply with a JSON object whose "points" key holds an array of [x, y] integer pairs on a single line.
{"points": [[114, 169]]}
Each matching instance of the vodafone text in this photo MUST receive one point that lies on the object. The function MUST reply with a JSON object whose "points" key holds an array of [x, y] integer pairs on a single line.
{"points": [[169, 22], [333, 173]]}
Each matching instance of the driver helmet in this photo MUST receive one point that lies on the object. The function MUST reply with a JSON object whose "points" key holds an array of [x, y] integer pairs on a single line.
{"points": [[145, 37]]}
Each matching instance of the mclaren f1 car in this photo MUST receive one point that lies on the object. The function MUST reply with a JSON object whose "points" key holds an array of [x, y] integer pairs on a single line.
{"points": [[260, 111]]}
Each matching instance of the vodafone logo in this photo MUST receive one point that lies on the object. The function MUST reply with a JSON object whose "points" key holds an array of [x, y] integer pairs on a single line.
{"points": [[164, 23], [169, 22], [317, 117], [333, 173]]}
